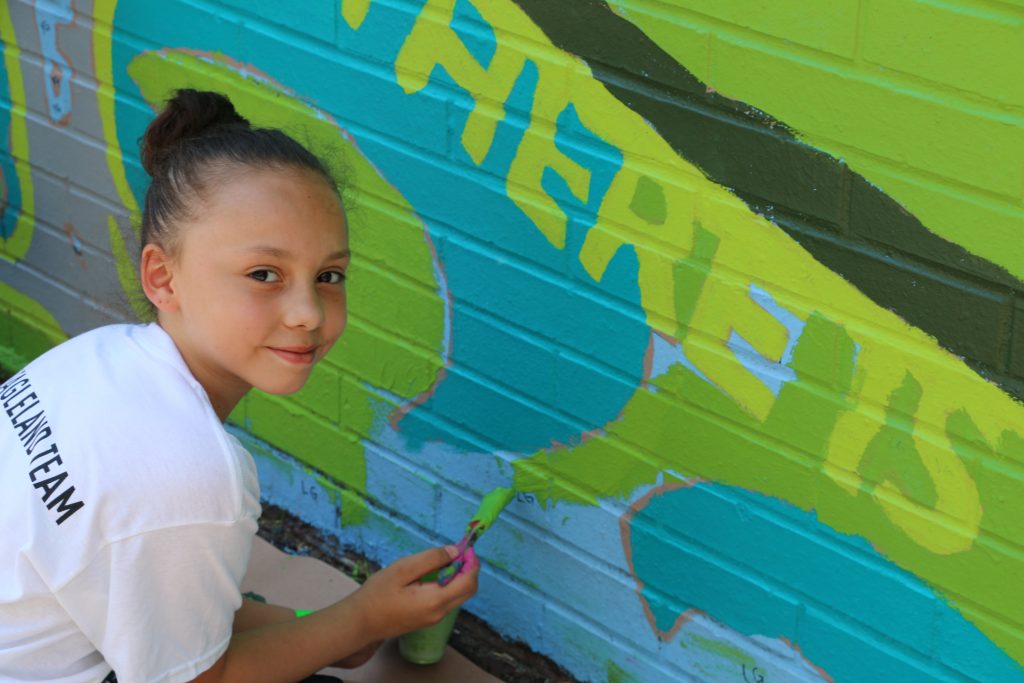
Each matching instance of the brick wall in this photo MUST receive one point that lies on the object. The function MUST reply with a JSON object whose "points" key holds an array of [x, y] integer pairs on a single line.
{"points": [[727, 290]]}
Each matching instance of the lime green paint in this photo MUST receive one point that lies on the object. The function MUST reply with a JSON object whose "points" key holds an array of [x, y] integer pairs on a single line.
{"points": [[706, 436], [804, 445], [354, 11], [15, 246], [649, 201], [724, 650], [376, 298], [26, 329], [881, 119], [895, 30], [891, 455], [103, 59], [832, 28], [128, 273], [490, 507]]}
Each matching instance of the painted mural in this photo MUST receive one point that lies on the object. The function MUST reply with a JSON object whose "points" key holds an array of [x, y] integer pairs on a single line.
{"points": [[586, 267]]}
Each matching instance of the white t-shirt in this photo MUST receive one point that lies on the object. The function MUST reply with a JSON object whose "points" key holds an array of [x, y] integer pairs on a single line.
{"points": [[127, 514]]}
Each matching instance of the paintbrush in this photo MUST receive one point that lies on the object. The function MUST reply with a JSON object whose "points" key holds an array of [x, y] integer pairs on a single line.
{"points": [[490, 507]]}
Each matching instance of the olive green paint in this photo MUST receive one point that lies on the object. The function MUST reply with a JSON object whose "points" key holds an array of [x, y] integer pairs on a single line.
{"points": [[707, 435], [128, 273], [892, 456], [26, 329], [879, 119], [330, 442], [700, 432], [724, 650], [689, 275], [616, 674], [648, 201], [797, 183]]}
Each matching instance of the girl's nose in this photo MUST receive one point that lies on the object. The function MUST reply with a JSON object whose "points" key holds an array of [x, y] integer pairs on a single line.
{"points": [[304, 308]]}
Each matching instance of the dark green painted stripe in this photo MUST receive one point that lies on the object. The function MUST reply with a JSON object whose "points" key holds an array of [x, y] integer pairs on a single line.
{"points": [[965, 302]]}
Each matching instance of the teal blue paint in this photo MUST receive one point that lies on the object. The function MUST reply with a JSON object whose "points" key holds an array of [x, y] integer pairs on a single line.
{"points": [[474, 396], [616, 335], [11, 207], [769, 546], [475, 32], [314, 18]]}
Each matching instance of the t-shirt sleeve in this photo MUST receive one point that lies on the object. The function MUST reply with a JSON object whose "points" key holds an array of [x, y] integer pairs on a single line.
{"points": [[159, 606]]}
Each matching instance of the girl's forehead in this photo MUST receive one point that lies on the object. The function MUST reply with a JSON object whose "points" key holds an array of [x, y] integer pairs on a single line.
{"points": [[276, 209]]}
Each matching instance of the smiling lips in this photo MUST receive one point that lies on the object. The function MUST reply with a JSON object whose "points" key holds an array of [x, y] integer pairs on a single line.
{"points": [[298, 355]]}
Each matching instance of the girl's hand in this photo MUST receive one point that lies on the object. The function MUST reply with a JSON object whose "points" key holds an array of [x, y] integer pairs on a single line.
{"points": [[393, 601]]}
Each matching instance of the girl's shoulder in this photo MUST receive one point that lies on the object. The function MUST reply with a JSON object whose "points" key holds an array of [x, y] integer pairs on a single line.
{"points": [[135, 431]]}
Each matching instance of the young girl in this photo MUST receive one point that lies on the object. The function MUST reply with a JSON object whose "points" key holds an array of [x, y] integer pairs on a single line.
{"points": [[127, 510]]}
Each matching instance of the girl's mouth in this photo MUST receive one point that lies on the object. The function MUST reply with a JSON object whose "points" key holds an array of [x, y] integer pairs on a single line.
{"points": [[297, 355]]}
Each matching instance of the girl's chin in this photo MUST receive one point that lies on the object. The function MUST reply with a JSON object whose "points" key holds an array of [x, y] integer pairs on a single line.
{"points": [[283, 387]]}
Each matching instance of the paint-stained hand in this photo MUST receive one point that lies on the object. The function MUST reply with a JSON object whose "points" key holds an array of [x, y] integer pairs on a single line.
{"points": [[394, 601]]}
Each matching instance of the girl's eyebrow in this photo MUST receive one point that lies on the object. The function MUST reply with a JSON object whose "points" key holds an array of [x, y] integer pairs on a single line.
{"points": [[277, 252]]}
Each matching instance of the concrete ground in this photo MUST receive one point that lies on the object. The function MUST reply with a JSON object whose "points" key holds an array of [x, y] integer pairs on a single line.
{"points": [[308, 583]]}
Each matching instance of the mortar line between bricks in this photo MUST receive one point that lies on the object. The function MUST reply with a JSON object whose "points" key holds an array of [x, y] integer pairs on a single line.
{"points": [[89, 249], [544, 600], [520, 523], [687, 101], [782, 449], [615, 511], [564, 351], [490, 250], [907, 84], [838, 148], [590, 291], [610, 571], [67, 287], [604, 633], [518, 396], [101, 201], [329, 50], [776, 586], [48, 281], [914, 175], [1004, 11], [910, 261]]}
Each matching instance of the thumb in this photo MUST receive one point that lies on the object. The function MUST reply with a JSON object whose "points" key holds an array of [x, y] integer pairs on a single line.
{"points": [[413, 567]]}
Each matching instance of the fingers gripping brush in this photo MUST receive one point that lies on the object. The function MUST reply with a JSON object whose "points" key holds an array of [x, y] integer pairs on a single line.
{"points": [[490, 507]]}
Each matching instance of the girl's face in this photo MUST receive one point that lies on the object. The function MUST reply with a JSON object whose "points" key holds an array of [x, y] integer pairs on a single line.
{"points": [[259, 284]]}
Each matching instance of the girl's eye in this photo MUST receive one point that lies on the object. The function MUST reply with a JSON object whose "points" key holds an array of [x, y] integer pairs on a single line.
{"points": [[264, 275], [331, 277]]}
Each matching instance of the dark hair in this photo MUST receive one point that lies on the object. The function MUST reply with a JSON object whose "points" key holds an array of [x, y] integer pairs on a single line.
{"points": [[195, 142]]}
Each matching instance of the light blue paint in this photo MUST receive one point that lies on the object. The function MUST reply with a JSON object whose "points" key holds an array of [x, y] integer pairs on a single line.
{"points": [[49, 17], [774, 374], [665, 355], [735, 555], [475, 32]]}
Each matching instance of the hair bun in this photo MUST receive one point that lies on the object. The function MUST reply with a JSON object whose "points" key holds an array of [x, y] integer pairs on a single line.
{"points": [[189, 114]]}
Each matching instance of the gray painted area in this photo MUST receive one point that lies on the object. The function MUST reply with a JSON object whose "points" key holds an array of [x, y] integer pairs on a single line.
{"points": [[69, 267]]}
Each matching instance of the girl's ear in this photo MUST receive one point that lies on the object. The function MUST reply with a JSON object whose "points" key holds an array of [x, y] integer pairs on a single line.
{"points": [[157, 277]]}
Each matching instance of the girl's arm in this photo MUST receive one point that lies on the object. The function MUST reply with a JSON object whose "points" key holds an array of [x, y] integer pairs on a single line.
{"points": [[390, 603], [254, 614]]}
